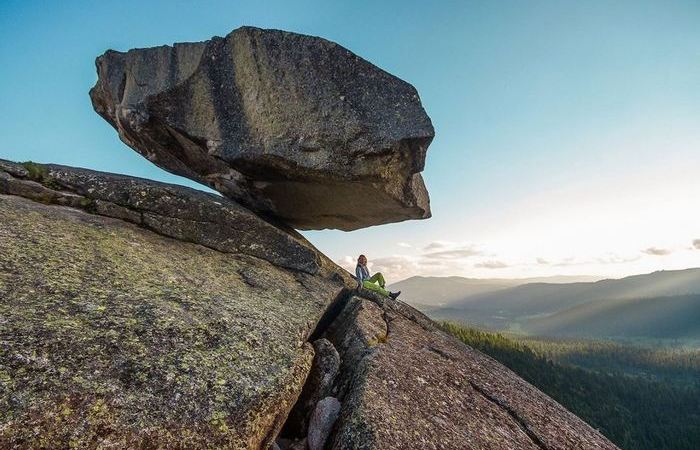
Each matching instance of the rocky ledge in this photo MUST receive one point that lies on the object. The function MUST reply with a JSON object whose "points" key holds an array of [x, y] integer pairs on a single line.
{"points": [[288, 125], [175, 211], [404, 383], [120, 332]]}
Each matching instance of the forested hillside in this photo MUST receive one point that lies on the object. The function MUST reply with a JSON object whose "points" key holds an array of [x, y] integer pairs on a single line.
{"points": [[660, 361], [634, 412], [675, 317]]}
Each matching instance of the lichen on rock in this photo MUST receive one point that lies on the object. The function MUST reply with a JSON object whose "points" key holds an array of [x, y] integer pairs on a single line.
{"points": [[113, 335]]}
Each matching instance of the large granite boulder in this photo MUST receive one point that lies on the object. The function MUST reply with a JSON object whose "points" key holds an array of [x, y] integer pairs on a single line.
{"points": [[136, 314], [289, 125], [124, 325]]}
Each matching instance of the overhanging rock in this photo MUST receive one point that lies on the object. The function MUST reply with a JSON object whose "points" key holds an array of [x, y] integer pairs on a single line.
{"points": [[289, 125]]}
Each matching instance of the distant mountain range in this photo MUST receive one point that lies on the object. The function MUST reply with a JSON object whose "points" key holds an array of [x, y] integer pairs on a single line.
{"points": [[664, 304], [443, 291]]}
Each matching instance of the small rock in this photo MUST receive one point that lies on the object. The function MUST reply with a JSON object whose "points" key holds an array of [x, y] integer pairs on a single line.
{"points": [[299, 444], [326, 366], [322, 420], [319, 384], [13, 168]]}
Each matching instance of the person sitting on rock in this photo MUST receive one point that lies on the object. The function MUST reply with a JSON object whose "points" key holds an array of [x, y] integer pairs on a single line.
{"points": [[375, 282]]}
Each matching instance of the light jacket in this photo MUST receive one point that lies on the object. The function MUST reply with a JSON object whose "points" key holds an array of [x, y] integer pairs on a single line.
{"points": [[362, 274]]}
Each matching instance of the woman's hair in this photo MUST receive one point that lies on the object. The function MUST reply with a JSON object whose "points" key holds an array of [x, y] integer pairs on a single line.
{"points": [[360, 257]]}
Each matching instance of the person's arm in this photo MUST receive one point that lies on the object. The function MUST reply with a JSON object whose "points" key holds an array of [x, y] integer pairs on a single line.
{"points": [[359, 275]]}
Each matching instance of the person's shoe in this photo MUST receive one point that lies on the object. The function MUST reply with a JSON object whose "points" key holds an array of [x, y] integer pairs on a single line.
{"points": [[394, 294]]}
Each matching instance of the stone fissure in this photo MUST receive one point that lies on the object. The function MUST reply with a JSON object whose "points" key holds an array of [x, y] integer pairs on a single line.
{"points": [[346, 372], [331, 313], [522, 424], [386, 319], [295, 431]]}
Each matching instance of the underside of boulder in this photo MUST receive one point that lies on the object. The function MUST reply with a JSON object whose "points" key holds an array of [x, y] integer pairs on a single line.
{"points": [[289, 125]]}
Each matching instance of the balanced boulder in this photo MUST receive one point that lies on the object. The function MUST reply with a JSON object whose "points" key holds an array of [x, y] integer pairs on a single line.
{"points": [[291, 126]]}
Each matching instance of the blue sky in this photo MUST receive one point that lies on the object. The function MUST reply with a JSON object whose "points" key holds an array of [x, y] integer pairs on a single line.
{"points": [[567, 132]]}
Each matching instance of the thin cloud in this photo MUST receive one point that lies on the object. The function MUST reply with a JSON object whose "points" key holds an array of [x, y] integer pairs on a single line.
{"points": [[458, 253], [394, 268], [436, 245], [347, 263], [570, 261], [616, 259], [609, 258], [432, 263], [491, 265], [444, 258], [656, 251], [398, 267]]}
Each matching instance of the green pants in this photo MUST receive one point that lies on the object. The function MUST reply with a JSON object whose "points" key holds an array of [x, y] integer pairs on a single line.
{"points": [[371, 284]]}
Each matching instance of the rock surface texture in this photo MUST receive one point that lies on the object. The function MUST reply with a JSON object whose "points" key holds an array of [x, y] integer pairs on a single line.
{"points": [[406, 384], [116, 336], [322, 420], [292, 126], [122, 332]]}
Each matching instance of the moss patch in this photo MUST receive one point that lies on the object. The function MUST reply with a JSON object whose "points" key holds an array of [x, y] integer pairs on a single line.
{"points": [[39, 173]]}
